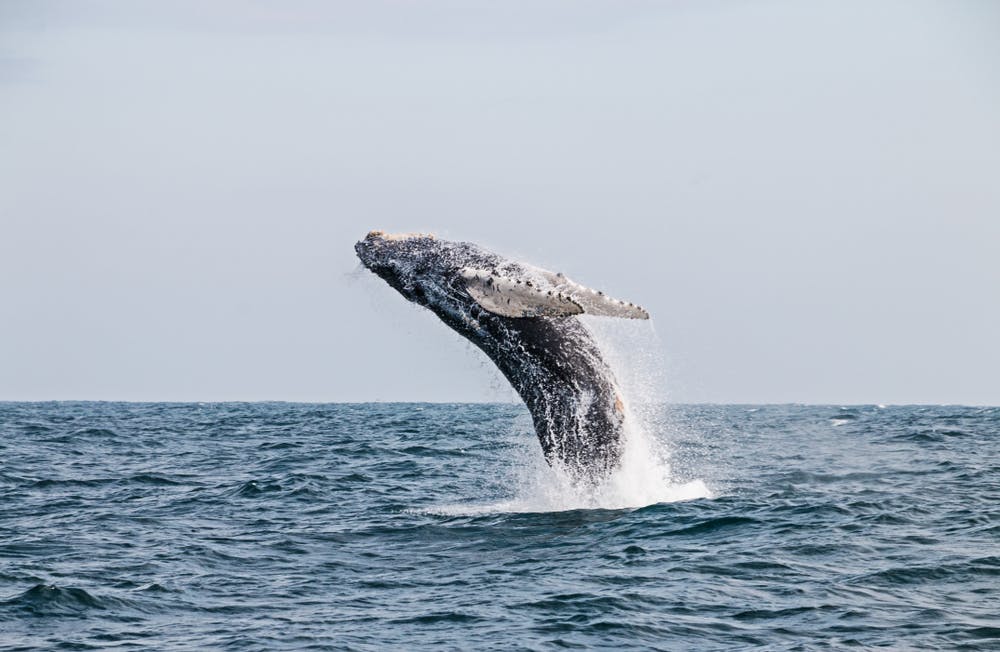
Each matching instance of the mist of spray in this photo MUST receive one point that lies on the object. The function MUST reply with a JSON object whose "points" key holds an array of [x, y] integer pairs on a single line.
{"points": [[644, 476]]}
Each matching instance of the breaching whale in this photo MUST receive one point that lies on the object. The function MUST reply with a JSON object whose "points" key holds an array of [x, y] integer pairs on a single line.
{"points": [[525, 319]]}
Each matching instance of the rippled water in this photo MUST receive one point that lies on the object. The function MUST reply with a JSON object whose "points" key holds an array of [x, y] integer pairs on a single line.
{"points": [[273, 526]]}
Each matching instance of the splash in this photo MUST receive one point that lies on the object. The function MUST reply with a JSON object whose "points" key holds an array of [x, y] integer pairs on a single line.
{"points": [[644, 477]]}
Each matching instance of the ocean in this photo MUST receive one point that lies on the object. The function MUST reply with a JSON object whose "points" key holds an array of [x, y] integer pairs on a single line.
{"points": [[272, 526]]}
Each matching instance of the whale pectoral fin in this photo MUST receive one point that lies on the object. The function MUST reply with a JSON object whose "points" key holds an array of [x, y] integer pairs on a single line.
{"points": [[512, 298], [604, 306], [594, 302]]}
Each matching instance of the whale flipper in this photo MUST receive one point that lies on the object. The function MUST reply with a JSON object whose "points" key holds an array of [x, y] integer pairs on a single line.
{"points": [[505, 296], [547, 294]]}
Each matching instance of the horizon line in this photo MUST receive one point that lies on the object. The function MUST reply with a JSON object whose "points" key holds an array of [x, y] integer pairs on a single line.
{"points": [[520, 403]]}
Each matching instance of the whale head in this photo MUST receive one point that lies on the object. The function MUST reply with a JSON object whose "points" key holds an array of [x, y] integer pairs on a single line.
{"points": [[460, 276], [407, 261]]}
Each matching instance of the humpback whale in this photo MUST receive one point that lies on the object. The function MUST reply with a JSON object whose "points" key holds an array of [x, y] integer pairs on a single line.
{"points": [[526, 321]]}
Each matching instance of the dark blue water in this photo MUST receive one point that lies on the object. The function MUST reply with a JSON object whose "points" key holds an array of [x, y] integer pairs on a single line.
{"points": [[287, 526]]}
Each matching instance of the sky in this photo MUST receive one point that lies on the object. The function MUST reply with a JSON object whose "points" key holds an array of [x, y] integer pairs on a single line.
{"points": [[806, 196]]}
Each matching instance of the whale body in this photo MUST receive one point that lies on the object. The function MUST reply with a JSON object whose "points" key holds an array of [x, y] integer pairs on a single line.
{"points": [[526, 321]]}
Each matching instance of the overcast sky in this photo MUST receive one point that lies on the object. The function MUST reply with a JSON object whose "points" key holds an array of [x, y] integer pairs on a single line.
{"points": [[806, 196]]}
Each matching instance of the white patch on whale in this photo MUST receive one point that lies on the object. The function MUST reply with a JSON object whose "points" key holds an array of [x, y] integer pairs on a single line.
{"points": [[543, 294]]}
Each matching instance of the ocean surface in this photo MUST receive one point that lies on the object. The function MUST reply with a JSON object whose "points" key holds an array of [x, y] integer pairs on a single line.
{"points": [[270, 526]]}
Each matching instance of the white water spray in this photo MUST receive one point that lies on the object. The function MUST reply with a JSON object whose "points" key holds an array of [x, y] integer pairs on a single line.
{"points": [[644, 476]]}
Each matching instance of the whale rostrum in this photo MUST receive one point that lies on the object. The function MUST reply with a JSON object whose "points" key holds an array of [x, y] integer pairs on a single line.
{"points": [[525, 319]]}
